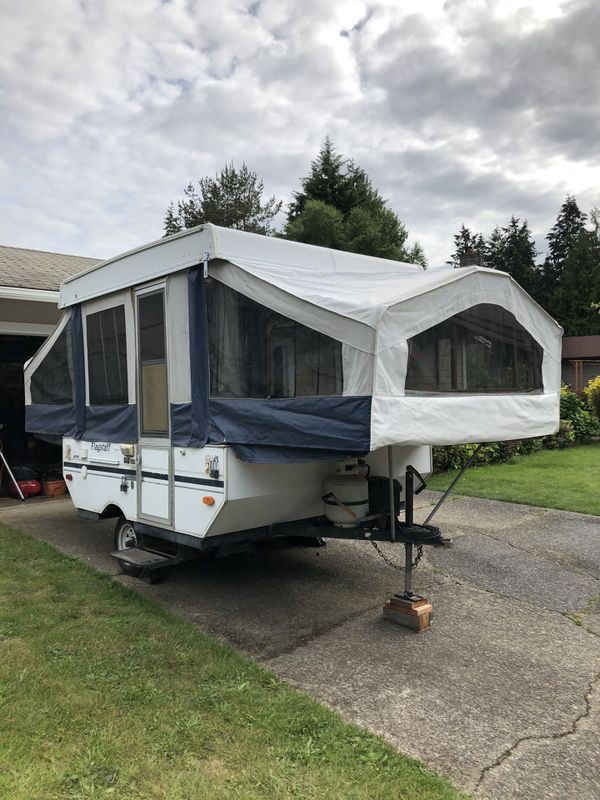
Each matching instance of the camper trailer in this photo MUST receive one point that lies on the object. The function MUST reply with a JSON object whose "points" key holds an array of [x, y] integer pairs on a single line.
{"points": [[216, 386]]}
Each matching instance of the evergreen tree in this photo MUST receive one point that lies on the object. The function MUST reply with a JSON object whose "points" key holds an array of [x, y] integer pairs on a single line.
{"points": [[575, 299], [326, 182], [416, 255], [494, 250], [319, 223], [233, 199], [519, 253], [171, 222], [377, 233], [465, 241], [565, 233], [561, 239], [339, 185]]}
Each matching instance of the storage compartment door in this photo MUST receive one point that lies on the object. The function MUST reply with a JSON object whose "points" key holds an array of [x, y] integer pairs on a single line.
{"points": [[154, 495]]}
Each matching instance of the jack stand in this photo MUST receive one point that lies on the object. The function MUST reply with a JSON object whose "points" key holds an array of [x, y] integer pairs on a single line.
{"points": [[409, 609]]}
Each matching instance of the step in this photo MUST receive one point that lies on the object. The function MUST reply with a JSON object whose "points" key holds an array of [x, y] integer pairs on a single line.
{"points": [[137, 557]]}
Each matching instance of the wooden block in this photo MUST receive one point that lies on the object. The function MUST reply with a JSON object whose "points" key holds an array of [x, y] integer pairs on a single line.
{"points": [[415, 614]]}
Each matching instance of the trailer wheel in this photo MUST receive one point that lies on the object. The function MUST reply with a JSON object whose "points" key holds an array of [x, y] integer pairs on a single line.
{"points": [[125, 536]]}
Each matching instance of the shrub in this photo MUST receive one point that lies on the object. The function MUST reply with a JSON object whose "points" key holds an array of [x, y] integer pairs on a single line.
{"points": [[592, 395], [573, 408], [456, 456], [453, 456], [564, 437], [529, 446]]}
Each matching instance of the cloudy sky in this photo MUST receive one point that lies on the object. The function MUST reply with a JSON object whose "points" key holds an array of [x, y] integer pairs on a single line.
{"points": [[461, 111]]}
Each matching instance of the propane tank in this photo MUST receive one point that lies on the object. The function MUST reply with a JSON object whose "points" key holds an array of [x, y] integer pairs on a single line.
{"points": [[346, 498]]}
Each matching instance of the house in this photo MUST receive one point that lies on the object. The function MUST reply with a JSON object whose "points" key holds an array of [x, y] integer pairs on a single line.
{"points": [[580, 360], [29, 283]]}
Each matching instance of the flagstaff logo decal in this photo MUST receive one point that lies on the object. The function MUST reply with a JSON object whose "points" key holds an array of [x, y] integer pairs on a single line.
{"points": [[100, 447]]}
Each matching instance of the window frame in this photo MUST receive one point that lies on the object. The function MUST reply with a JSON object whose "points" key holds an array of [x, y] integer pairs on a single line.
{"points": [[454, 365], [102, 304], [90, 313], [274, 326], [161, 436]]}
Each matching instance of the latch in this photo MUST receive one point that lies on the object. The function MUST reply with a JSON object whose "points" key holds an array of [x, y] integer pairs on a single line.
{"points": [[211, 466]]}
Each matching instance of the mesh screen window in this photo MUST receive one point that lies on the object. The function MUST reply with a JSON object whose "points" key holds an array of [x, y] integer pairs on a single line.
{"points": [[481, 350], [52, 381], [107, 357], [153, 364], [256, 352]]}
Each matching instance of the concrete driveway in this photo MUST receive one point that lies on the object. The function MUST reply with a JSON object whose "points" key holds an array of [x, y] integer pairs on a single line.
{"points": [[501, 695]]}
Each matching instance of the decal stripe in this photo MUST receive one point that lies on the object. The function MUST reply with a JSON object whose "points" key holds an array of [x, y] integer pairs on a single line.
{"points": [[199, 481], [161, 476]]}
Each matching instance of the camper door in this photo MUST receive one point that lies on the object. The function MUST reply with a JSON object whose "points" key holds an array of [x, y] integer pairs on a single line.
{"points": [[154, 450]]}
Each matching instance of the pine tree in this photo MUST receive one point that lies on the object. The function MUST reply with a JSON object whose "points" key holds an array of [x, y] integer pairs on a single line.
{"points": [[326, 182], [342, 187], [416, 255], [565, 233], [465, 241], [494, 250], [378, 233], [233, 199], [561, 239], [519, 254], [319, 223], [574, 300], [171, 223]]}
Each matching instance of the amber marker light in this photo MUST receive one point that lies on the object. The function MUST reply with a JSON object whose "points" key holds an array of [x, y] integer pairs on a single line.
{"points": [[208, 500]]}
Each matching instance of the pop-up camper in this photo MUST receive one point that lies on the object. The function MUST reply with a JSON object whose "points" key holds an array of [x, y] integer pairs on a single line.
{"points": [[216, 386]]}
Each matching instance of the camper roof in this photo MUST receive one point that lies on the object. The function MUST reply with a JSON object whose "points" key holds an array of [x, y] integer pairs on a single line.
{"points": [[210, 242]]}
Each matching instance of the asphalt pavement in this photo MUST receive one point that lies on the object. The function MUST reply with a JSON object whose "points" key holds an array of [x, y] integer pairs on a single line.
{"points": [[501, 694]]}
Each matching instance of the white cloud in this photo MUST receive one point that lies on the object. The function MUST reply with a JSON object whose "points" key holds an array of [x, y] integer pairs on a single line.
{"points": [[461, 110]]}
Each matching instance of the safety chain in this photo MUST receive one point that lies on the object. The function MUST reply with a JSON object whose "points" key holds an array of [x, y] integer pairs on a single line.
{"points": [[393, 564]]}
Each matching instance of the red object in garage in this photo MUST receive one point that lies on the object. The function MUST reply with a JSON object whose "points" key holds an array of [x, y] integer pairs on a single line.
{"points": [[29, 488]]}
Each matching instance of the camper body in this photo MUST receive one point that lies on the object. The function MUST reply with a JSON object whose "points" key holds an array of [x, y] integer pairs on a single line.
{"points": [[188, 493], [210, 384]]}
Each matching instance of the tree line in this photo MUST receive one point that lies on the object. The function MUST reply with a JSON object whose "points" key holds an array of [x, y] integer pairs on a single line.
{"points": [[567, 282], [338, 206]]}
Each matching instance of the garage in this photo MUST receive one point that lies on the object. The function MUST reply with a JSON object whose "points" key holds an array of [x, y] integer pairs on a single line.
{"points": [[29, 283]]}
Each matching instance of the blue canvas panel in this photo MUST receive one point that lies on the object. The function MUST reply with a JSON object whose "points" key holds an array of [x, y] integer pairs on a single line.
{"points": [[196, 432], [111, 424], [78, 371], [334, 424], [54, 420], [185, 432], [261, 454], [102, 423]]}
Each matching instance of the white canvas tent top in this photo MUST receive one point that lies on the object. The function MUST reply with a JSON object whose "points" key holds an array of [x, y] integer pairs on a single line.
{"points": [[377, 309]]}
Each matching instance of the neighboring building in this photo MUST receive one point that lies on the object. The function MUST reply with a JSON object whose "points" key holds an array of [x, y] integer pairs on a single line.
{"points": [[580, 360], [29, 283]]}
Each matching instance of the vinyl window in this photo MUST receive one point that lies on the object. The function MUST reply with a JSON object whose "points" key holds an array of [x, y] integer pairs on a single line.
{"points": [[52, 381], [107, 357], [256, 352], [481, 350]]}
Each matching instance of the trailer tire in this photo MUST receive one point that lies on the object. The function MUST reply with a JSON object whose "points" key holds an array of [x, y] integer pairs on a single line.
{"points": [[124, 537]]}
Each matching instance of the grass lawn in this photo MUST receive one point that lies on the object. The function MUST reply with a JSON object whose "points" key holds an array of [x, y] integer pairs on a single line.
{"points": [[105, 695], [567, 479]]}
